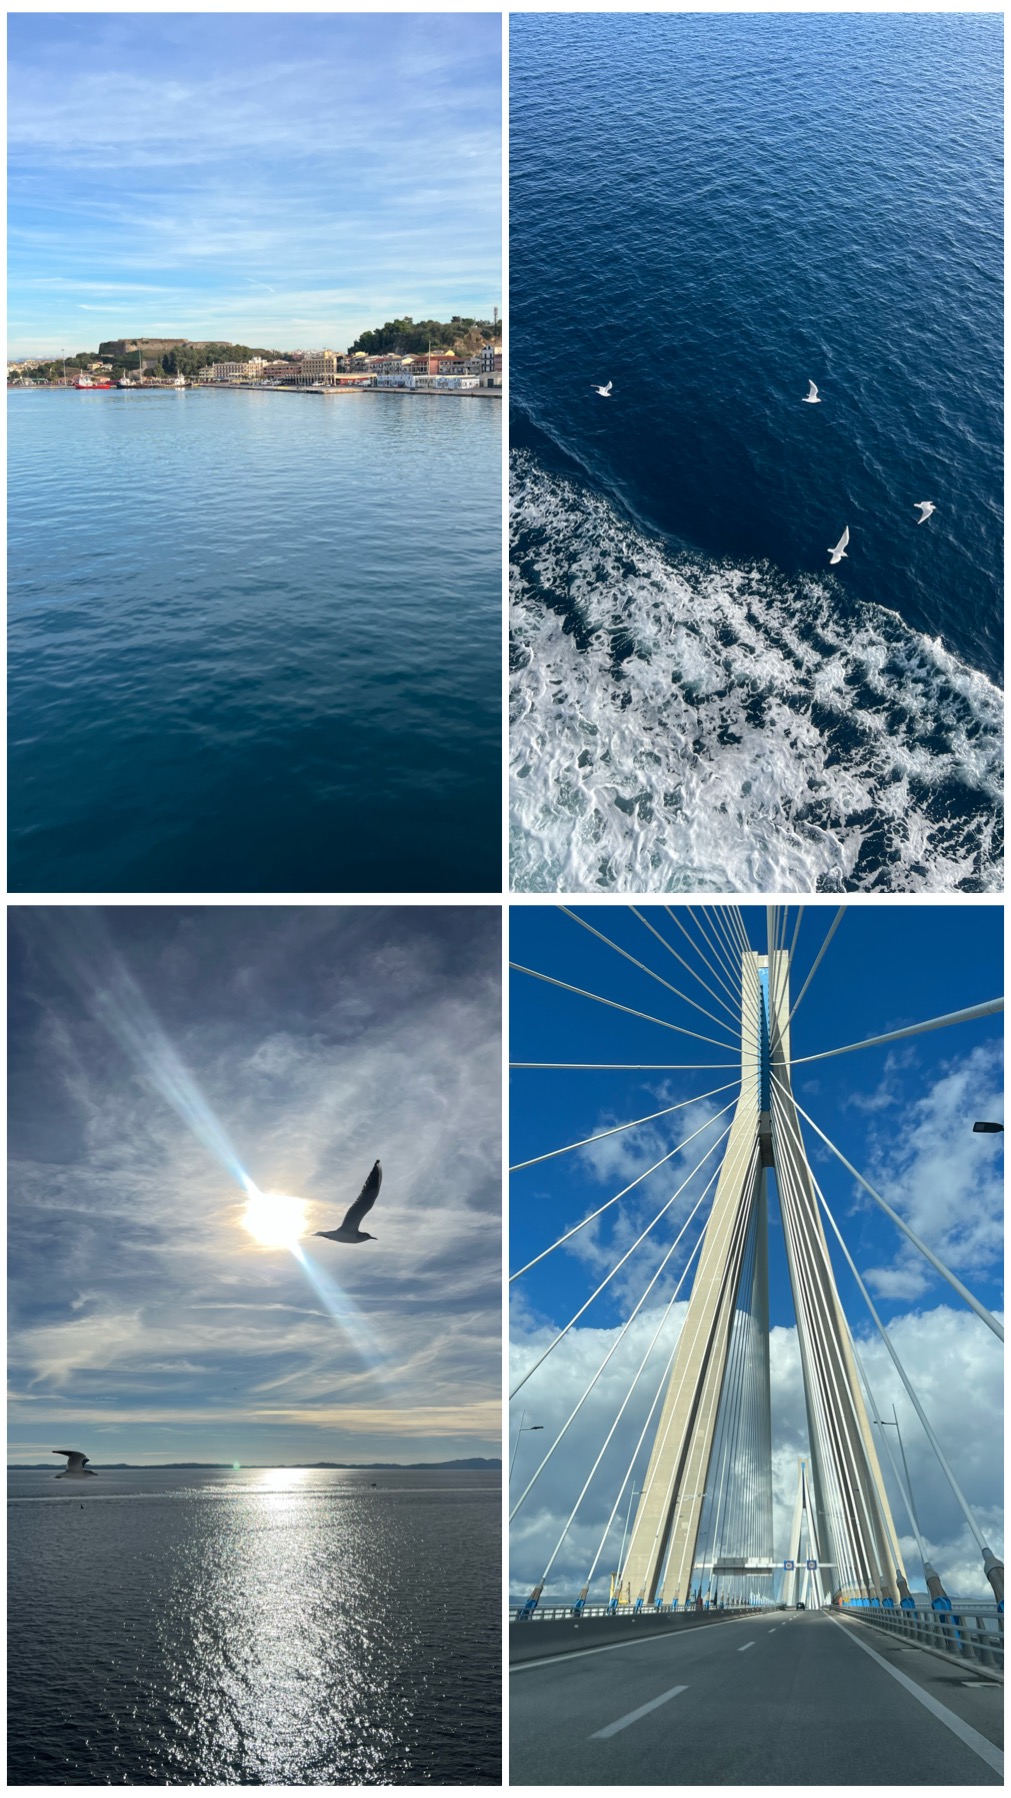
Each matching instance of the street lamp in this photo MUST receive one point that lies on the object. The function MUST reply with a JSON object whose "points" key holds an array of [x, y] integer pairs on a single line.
{"points": [[621, 1552], [885, 1425], [986, 1129], [516, 1444]]}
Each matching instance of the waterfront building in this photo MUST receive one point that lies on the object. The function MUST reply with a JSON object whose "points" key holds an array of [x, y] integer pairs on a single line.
{"points": [[317, 367], [228, 371]]}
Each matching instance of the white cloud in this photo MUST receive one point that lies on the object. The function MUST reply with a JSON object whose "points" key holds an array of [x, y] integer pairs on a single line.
{"points": [[953, 1363], [942, 1179]]}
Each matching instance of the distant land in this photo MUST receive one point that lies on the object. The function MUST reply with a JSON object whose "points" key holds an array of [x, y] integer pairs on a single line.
{"points": [[166, 357], [476, 1465]]}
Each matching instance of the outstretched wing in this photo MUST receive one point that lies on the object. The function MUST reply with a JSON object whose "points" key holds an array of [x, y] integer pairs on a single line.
{"points": [[74, 1457], [812, 391], [365, 1200]]}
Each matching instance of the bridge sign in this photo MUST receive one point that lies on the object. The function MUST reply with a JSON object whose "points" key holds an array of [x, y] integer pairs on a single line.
{"points": [[811, 1565], [789, 1565]]}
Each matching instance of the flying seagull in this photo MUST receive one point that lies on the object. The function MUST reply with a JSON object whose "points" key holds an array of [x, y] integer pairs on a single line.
{"points": [[811, 396], [349, 1231], [604, 392], [926, 506], [77, 1465], [837, 554]]}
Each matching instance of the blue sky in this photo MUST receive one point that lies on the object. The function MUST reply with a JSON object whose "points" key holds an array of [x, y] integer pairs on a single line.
{"points": [[284, 180], [159, 1055], [902, 1115]]}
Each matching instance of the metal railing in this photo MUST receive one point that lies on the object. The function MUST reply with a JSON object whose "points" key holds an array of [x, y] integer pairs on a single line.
{"points": [[553, 1613], [973, 1630]]}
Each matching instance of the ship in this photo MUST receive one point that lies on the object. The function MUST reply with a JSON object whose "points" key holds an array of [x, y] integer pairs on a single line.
{"points": [[84, 385]]}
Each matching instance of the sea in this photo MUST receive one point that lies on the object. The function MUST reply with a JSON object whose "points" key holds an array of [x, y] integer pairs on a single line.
{"points": [[254, 641], [255, 1627], [708, 211]]}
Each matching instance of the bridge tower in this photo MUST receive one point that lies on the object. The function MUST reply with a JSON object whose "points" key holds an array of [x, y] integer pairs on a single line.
{"points": [[717, 1397]]}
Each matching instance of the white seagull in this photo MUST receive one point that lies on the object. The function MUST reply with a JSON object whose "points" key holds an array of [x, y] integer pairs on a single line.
{"points": [[839, 551], [926, 506], [604, 392], [77, 1465], [811, 396], [349, 1231]]}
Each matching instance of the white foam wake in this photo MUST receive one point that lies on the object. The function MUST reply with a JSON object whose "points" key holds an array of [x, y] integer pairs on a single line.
{"points": [[681, 725]]}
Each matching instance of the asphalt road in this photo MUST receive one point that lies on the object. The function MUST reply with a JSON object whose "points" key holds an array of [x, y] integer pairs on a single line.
{"points": [[770, 1699]]}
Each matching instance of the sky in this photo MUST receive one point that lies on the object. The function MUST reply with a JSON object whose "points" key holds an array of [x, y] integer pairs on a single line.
{"points": [[284, 180], [902, 1115], [160, 1058]]}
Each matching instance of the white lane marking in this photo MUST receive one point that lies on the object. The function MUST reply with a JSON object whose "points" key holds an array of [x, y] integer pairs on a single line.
{"points": [[745, 1645], [971, 1737], [770, 1632], [577, 1654], [633, 1716]]}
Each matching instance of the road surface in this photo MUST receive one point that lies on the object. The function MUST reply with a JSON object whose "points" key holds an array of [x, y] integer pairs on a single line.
{"points": [[773, 1698]]}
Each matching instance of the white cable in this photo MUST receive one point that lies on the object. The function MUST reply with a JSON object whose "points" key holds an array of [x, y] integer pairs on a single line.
{"points": [[644, 969], [688, 968], [985, 1010], [617, 1129], [619, 1195], [833, 927], [613, 1003], [617, 1342], [621, 1262], [963, 1502], [980, 1310]]}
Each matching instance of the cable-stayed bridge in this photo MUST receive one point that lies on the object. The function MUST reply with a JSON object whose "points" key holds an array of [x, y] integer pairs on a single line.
{"points": [[682, 1456]]}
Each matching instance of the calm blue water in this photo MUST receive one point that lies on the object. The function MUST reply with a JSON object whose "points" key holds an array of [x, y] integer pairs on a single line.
{"points": [[710, 210], [262, 1627], [255, 642]]}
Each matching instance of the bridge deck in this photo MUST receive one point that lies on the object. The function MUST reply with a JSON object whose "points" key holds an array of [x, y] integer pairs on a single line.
{"points": [[764, 1699]]}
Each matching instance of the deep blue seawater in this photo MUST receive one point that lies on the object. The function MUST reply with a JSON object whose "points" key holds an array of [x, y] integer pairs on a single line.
{"points": [[709, 211], [255, 642], [274, 1626]]}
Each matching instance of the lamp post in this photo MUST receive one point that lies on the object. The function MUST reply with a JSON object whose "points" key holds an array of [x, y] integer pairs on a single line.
{"points": [[633, 1495], [516, 1444], [982, 1129]]}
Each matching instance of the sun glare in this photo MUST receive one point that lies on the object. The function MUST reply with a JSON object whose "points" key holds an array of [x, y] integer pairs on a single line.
{"points": [[274, 1220]]}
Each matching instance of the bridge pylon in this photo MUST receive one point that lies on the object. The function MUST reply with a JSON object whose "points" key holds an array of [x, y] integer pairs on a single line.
{"points": [[714, 1426]]}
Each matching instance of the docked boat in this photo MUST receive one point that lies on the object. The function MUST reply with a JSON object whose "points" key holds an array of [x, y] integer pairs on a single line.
{"points": [[84, 385]]}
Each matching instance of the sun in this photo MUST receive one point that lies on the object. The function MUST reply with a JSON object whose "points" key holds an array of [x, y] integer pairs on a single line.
{"points": [[274, 1219]]}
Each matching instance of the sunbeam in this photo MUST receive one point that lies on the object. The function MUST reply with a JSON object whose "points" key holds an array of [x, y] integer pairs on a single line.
{"points": [[86, 956], [345, 1312]]}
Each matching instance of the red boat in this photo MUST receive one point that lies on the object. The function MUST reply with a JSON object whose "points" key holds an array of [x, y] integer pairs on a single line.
{"points": [[84, 385]]}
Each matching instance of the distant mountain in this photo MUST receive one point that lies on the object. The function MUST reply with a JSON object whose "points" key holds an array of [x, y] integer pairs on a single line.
{"points": [[476, 1464]]}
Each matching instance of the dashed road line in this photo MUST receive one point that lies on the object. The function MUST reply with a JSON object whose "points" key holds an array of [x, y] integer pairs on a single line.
{"points": [[633, 1716]]}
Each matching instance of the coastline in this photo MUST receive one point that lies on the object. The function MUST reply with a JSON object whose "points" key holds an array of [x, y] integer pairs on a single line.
{"points": [[465, 393]]}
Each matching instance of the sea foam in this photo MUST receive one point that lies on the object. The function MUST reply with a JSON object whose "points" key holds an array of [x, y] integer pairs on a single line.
{"points": [[681, 724]]}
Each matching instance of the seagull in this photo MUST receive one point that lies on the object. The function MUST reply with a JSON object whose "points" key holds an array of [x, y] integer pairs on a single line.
{"points": [[811, 396], [77, 1465], [926, 506], [349, 1231], [839, 551], [604, 392]]}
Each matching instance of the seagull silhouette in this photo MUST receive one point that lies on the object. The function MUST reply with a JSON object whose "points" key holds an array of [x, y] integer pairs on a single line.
{"points": [[604, 392], [836, 554], [77, 1465], [349, 1231], [926, 506], [811, 396]]}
